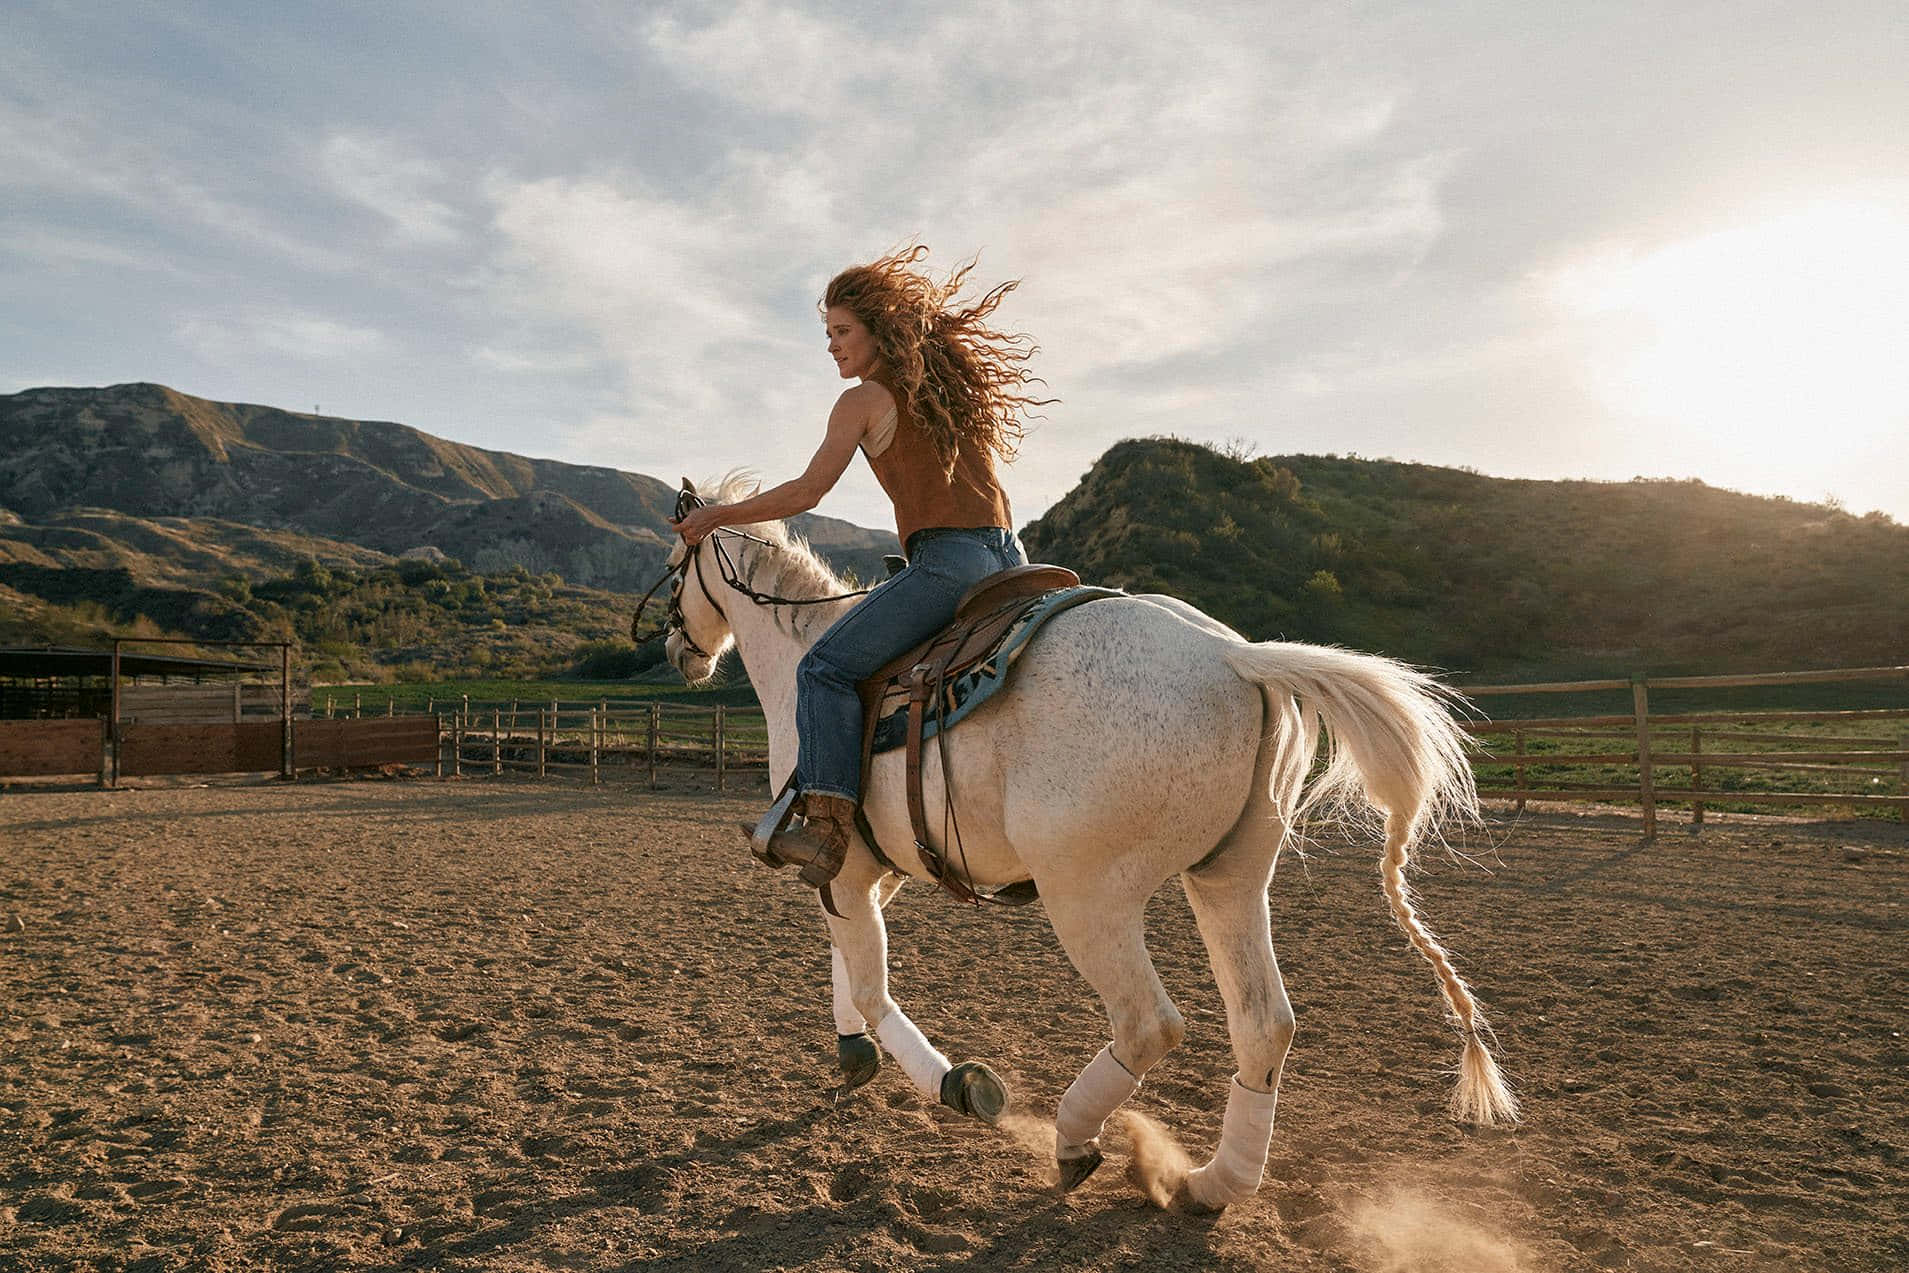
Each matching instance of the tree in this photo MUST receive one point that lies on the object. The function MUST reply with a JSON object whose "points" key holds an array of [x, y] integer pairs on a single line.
{"points": [[312, 576]]}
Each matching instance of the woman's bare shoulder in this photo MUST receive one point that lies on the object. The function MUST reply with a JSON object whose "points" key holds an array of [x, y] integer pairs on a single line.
{"points": [[869, 393], [869, 399]]}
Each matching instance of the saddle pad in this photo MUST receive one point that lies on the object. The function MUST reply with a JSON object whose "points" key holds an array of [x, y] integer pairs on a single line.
{"points": [[963, 693]]}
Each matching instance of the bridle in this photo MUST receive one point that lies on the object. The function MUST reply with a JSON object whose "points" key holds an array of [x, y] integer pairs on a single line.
{"points": [[692, 563]]}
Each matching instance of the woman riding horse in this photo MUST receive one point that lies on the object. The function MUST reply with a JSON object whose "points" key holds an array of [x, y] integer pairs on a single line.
{"points": [[940, 398], [1149, 740]]}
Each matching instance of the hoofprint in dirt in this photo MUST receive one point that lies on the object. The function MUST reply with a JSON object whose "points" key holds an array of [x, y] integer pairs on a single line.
{"points": [[491, 1025]]}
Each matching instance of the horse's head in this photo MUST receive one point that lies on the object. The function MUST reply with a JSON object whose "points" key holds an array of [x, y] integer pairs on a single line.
{"points": [[698, 631], [708, 582], [695, 629]]}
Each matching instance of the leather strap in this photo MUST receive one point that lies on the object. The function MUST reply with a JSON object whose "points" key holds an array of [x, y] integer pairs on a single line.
{"points": [[874, 845], [917, 815], [924, 682]]}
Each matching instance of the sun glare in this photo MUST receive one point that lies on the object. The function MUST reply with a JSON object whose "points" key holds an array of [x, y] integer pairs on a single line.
{"points": [[1788, 333]]}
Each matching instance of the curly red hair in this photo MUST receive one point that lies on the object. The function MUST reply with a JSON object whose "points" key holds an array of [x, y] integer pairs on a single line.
{"points": [[963, 381]]}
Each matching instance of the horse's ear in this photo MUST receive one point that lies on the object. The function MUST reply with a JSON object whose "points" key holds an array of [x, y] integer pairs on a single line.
{"points": [[689, 486]]}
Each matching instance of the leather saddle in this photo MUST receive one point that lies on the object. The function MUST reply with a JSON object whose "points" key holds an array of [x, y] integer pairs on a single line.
{"points": [[914, 682]]}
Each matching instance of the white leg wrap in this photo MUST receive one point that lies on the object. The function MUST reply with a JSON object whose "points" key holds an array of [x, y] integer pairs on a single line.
{"points": [[1240, 1161], [911, 1049], [1098, 1092], [847, 1019]]}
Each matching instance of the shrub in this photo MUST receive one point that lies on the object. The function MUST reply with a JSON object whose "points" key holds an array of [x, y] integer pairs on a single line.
{"points": [[615, 660]]}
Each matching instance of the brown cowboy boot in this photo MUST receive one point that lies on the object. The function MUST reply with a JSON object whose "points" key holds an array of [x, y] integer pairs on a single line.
{"points": [[820, 844]]}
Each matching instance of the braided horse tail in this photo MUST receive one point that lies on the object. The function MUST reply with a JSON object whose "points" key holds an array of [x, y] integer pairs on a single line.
{"points": [[1392, 745]]}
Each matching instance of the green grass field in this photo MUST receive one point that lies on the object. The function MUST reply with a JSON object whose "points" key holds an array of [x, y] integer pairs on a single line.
{"points": [[1672, 780], [418, 696]]}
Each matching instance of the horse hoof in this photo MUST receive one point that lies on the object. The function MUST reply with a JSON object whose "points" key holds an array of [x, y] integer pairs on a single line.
{"points": [[1074, 1171], [1184, 1203], [973, 1089], [860, 1057]]}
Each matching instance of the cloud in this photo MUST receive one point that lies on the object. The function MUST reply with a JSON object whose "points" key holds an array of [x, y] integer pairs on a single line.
{"points": [[1315, 225], [74, 151], [301, 336], [44, 247], [1164, 195], [659, 283], [1763, 353], [374, 173], [530, 360], [778, 59]]}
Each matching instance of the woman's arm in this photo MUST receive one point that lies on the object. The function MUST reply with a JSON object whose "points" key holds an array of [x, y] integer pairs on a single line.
{"points": [[848, 424]]}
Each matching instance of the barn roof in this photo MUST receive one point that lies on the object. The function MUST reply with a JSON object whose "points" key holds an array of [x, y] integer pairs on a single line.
{"points": [[34, 662]]}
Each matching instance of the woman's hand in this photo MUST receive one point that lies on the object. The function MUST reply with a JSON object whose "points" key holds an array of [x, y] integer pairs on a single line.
{"points": [[698, 522]]}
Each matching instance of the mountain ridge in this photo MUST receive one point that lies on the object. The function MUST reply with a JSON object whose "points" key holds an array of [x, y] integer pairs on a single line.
{"points": [[147, 451], [177, 500]]}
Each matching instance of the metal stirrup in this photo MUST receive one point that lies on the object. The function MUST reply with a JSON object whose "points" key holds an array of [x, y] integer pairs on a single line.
{"points": [[771, 826]]}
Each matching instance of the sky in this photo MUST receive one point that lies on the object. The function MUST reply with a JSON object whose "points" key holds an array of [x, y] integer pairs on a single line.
{"points": [[1535, 239]]}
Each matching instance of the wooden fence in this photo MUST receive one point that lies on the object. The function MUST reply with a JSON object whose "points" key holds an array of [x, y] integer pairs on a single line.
{"points": [[358, 744], [225, 748], [1698, 759], [1693, 759], [46, 748], [50, 748], [604, 741], [199, 704]]}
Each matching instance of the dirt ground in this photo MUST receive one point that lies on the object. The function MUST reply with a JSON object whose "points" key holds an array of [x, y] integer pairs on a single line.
{"points": [[491, 1025]]}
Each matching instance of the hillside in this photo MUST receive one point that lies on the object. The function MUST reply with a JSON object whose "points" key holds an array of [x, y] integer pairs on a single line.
{"points": [[1493, 577], [410, 619], [182, 490], [137, 505], [167, 551]]}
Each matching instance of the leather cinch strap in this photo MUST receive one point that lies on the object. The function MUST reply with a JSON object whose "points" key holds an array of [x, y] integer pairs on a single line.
{"points": [[923, 683]]}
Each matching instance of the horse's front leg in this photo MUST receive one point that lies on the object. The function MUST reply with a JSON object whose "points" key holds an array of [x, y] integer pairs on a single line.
{"points": [[861, 958], [855, 1049]]}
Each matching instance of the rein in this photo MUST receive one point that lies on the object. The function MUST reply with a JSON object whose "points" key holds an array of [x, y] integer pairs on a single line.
{"points": [[678, 574]]}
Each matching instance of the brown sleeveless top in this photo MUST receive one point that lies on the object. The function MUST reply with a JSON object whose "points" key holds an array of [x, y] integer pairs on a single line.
{"points": [[925, 496]]}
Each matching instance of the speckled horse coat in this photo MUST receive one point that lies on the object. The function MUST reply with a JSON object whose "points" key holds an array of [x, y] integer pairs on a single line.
{"points": [[1138, 738]]}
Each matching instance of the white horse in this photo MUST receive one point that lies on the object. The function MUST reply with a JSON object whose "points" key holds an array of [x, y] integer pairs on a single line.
{"points": [[1138, 739]]}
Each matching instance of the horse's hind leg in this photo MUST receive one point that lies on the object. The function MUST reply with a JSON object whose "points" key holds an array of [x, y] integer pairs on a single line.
{"points": [[1106, 941], [1229, 902]]}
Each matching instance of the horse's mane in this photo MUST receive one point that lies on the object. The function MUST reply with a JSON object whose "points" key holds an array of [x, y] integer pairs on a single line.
{"points": [[791, 570]]}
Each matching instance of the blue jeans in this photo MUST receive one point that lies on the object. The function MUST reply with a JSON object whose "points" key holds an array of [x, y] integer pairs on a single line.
{"points": [[900, 614]]}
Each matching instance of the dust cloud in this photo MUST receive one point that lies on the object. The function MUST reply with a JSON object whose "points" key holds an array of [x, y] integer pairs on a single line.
{"points": [[1407, 1232], [1159, 1166], [1036, 1136]]}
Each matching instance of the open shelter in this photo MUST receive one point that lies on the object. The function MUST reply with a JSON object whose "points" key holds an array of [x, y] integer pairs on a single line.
{"points": [[66, 683]]}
